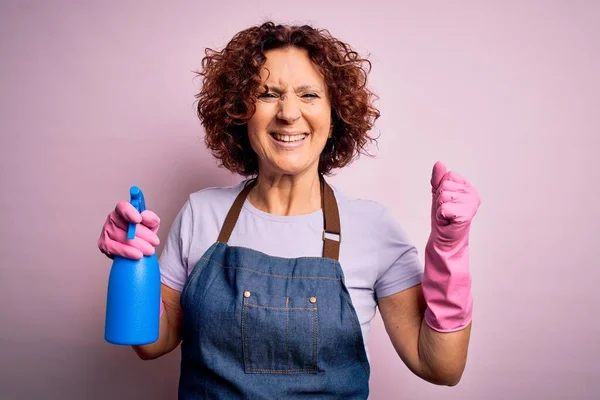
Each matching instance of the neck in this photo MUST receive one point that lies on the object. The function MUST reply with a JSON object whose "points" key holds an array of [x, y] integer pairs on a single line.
{"points": [[287, 194]]}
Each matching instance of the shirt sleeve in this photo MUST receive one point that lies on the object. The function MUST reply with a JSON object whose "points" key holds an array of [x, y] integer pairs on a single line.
{"points": [[401, 267], [173, 260]]}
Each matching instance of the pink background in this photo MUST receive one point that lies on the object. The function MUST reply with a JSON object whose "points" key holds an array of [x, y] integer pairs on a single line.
{"points": [[95, 98]]}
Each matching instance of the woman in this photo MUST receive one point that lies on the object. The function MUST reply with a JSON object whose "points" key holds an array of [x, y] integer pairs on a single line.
{"points": [[270, 285]]}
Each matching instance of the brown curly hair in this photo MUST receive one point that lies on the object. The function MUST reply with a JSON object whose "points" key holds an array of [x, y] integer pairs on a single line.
{"points": [[231, 80]]}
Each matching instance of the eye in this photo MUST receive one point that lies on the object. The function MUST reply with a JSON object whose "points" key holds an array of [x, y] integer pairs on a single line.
{"points": [[310, 96], [267, 96]]}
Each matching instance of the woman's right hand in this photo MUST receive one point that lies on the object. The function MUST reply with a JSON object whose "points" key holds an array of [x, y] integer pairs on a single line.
{"points": [[113, 237]]}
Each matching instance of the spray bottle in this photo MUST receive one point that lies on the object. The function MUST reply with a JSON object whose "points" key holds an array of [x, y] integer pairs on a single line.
{"points": [[133, 297]]}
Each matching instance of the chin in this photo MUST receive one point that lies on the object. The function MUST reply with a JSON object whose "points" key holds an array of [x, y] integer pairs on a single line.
{"points": [[287, 168], [292, 171]]}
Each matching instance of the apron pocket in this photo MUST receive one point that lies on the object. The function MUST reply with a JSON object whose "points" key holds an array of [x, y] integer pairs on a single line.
{"points": [[280, 340]]}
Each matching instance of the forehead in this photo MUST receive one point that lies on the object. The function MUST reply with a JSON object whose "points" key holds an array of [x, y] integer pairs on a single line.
{"points": [[290, 66]]}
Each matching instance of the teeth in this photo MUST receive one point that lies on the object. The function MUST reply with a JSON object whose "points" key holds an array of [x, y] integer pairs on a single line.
{"points": [[288, 138]]}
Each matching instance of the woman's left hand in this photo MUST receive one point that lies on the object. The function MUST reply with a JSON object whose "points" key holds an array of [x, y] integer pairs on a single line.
{"points": [[454, 204]]}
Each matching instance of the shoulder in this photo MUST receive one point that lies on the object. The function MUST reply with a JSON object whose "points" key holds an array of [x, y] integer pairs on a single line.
{"points": [[216, 196], [360, 208], [370, 217], [211, 203], [375, 246]]}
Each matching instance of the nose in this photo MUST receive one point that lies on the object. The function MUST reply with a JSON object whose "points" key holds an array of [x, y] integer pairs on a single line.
{"points": [[289, 110]]}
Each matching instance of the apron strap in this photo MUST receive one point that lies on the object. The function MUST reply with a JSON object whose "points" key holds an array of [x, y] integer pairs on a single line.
{"points": [[234, 212], [331, 233]]}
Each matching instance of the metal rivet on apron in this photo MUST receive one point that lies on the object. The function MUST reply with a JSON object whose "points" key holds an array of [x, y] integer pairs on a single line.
{"points": [[247, 294], [313, 299]]}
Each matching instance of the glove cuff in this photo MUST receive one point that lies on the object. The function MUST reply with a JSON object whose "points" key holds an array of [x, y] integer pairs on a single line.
{"points": [[447, 287]]}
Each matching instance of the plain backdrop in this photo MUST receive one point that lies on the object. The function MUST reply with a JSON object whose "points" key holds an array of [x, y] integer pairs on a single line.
{"points": [[98, 96]]}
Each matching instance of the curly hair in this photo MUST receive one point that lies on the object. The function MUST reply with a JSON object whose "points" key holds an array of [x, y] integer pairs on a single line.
{"points": [[231, 79]]}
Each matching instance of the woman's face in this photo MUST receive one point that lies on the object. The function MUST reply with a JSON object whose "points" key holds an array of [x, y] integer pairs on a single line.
{"points": [[292, 121]]}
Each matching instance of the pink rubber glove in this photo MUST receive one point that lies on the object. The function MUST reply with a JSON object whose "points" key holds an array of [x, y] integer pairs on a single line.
{"points": [[446, 280], [113, 238]]}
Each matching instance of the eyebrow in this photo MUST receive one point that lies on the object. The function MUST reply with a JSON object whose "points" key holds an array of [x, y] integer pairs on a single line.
{"points": [[300, 88]]}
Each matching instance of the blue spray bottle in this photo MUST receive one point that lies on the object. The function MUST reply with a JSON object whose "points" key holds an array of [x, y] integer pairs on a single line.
{"points": [[133, 297]]}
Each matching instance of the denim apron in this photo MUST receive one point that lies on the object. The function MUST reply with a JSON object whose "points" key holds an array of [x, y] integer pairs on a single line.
{"points": [[257, 326]]}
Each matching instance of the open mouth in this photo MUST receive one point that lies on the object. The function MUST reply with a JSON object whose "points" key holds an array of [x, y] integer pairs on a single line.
{"points": [[289, 138]]}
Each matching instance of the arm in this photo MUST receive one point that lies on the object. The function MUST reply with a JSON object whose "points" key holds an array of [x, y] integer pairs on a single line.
{"points": [[170, 324], [173, 261], [113, 241], [436, 357], [430, 324]]}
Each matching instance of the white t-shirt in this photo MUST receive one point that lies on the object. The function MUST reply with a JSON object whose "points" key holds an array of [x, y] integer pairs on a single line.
{"points": [[375, 254]]}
